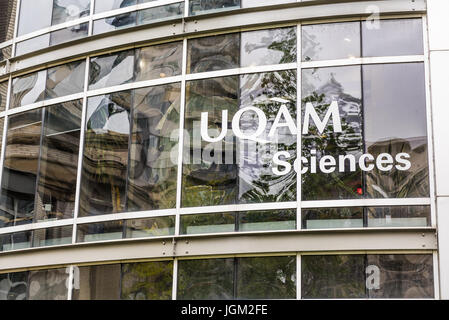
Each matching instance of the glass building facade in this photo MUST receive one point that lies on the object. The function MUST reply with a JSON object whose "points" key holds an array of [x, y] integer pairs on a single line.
{"points": [[157, 150]]}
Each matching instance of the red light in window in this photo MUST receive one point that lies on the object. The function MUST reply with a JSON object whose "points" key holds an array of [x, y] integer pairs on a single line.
{"points": [[359, 191]]}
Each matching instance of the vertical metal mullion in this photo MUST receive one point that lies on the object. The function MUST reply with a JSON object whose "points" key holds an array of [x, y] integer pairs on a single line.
{"points": [[181, 139], [5, 129], [91, 22], [70, 283], [186, 9], [41, 140], [16, 28], [299, 127], [81, 151], [436, 276], [175, 279], [298, 277]]}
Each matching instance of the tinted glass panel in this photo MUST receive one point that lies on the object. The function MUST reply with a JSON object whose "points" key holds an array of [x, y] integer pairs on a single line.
{"points": [[106, 5], [325, 218], [105, 159], [28, 89], [3, 94], [330, 41], [33, 44], [321, 88], [213, 53], [20, 168], [110, 230], [210, 6], [117, 22], [34, 15], [59, 161], [401, 216], [15, 241], [161, 13], [48, 284], [69, 34], [208, 223], [267, 220], [97, 282], [110, 70], [152, 169], [13, 286], [392, 37], [395, 123], [52, 236], [150, 227], [210, 279], [147, 281], [158, 61], [7, 20], [265, 47], [65, 79], [68, 10], [266, 278]]}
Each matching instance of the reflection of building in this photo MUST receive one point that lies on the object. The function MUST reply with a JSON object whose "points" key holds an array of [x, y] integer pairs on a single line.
{"points": [[109, 192]]}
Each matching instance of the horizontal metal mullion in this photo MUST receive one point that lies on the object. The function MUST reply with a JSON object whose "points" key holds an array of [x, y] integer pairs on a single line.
{"points": [[240, 207], [45, 103], [365, 203], [359, 61], [126, 216], [37, 225]]}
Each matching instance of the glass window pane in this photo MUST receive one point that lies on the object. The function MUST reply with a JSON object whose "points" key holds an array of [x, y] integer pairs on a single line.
{"points": [[97, 282], [102, 231], [68, 10], [330, 41], [264, 47], [267, 220], [321, 87], [15, 241], [3, 94], [34, 15], [69, 34], [28, 89], [401, 216], [13, 286], [161, 13], [392, 37], [408, 276], [207, 223], [261, 3], [48, 284], [65, 79], [33, 44], [110, 70], [211, 6], [5, 53], [213, 53], [330, 218], [333, 276], [152, 169], [117, 22], [105, 160], [7, 20], [20, 168], [150, 227], [266, 278], [395, 123], [210, 279], [59, 161], [52, 236], [147, 281], [107, 5], [158, 61]]}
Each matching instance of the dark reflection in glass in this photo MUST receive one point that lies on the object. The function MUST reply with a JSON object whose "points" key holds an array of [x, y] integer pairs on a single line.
{"points": [[264, 47], [5, 53], [152, 169], [105, 160], [267, 220], [324, 218], [52, 236], [65, 79], [3, 94], [97, 282], [392, 37], [13, 286], [208, 223], [320, 88], [401, 216], [238, 171], [211, 6], [33, 44], [68, 34], [117, 22], [28, 89], [330, 41], [107, 5], [158, 61], [20, 168], [333, 276], [101, 231], [400, 276], [15, 241], [213, 53], [68, 10], [147, 281], [7, 22], [112, 69], [48, 284], [34, 15], [161, 13], [59, 161], [266, 278], [395, 122], [211, 279], [150, 227]]}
